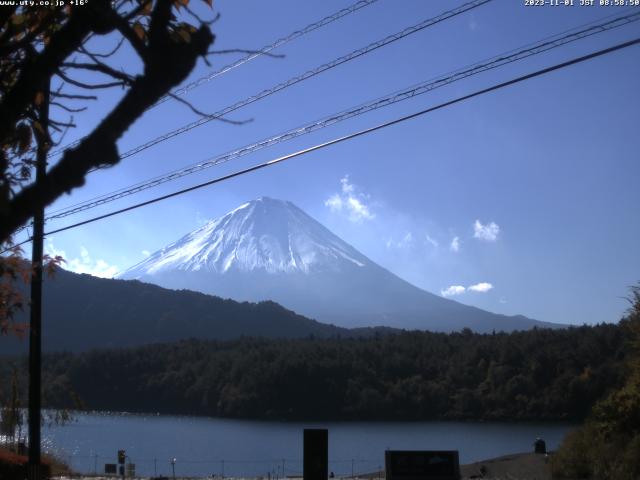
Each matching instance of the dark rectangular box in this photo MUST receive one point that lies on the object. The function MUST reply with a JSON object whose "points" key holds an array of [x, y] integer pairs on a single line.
{"points": [[422, 465], [315, 454]]}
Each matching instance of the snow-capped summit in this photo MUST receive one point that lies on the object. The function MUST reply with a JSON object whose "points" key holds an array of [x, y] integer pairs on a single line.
{"points": [[265, 234], [269, 249]]}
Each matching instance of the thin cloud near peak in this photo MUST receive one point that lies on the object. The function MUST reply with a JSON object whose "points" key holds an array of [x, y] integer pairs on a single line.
{"points": [[455, 244], [350, 201], [453, 290], [482, 287], [488, 232]]}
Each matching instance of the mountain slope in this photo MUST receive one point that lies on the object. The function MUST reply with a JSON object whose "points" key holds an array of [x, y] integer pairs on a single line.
{"points": [[269, 249], [81, 312]]}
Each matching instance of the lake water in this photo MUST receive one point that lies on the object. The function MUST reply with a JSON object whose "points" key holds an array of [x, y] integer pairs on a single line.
{"points": [[206, 446]]}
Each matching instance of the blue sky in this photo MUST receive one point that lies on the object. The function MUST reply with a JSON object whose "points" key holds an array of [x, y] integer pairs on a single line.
{"points": [[522, 201]]}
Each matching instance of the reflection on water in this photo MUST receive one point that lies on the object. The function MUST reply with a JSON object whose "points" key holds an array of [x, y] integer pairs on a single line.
{"points": [[207, 446]]}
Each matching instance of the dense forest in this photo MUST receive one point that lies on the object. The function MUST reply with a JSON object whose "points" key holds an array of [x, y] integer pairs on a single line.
{"points": [[537, 374]]}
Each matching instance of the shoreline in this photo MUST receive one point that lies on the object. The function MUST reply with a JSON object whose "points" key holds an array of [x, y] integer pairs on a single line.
{"points": [[320, 421], [518, 466]]}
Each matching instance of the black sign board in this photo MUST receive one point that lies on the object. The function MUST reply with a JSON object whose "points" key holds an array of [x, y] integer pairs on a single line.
{"points": [[315, 454], [110, 468], [422, 465]]}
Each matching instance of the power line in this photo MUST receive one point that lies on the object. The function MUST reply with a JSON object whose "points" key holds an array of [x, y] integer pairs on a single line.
{"points": [[415, 90], [266, 49], [307, 75], [353, 135], [247, 58]]}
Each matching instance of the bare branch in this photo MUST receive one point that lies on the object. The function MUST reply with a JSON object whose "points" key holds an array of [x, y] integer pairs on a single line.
{"points": [[208, 115], [199, 18], [62, 136], [127, 32], [74, 97], [167, 64], [68, 109], [89, 86], [42, 64], [102, 68], [103, 55], [62, 124], [242, 50]]}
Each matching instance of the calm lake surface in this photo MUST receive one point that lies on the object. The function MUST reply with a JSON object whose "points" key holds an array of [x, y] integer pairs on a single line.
{"points": [[207, 446]]}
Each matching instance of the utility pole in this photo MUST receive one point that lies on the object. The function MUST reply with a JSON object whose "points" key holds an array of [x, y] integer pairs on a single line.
{"points": [[35, 322]]}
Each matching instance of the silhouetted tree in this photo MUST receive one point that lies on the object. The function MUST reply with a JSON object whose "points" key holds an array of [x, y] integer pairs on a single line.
{"points": [[51, 47]]}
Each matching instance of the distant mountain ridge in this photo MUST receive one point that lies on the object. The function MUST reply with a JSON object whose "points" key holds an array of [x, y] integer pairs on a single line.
{"points": [[269, 249], [82, 312]]}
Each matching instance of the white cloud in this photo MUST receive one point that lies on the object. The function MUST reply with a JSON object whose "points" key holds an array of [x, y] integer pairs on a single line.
{"points": [[350, 201], [453, 290], [455, 245], [146, 253], [52, 251], [358, 210], [83, 264], [346, 186], [432, 241], [334, 202], [404, 242], [488, 232], [481, 287]]}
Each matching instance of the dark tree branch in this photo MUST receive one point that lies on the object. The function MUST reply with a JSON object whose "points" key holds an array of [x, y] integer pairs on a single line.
{"points": [[68, 109], [43, 65], [94, 55], [127, 32], [206, 115], [199, 19], [168, 63], [102, 68], [160, 20], [138, 10], [89, 86], [62, 124], [242, 50], [74, 97]]}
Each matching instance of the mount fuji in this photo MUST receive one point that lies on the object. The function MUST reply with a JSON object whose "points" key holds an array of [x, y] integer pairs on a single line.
{"points": [[269, 249]]}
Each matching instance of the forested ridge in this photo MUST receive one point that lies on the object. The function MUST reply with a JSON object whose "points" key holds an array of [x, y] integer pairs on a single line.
{"points": [[81, 314], [529, 375]]}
